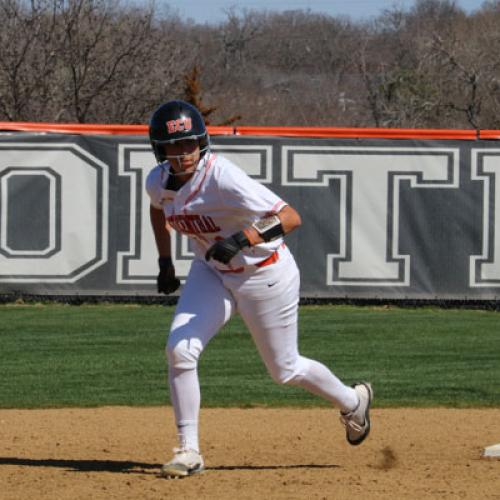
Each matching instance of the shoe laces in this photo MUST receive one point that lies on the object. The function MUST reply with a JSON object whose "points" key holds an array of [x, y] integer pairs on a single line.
{"points": [[348, 421]]}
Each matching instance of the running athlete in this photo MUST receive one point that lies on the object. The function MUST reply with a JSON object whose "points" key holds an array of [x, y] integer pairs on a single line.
{"points": [[241, 264]]}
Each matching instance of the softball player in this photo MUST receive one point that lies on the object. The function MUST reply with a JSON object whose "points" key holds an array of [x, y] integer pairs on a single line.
{"points": [[241, 264]]}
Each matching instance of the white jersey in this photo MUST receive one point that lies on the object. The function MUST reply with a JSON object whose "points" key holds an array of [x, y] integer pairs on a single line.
{"points": [[219, 200]]}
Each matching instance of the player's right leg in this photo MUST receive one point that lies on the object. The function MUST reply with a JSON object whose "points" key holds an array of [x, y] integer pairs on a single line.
{"points": [[203, 308], [357, 421]]}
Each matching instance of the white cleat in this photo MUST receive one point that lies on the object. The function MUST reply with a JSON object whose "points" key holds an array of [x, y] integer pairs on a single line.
{"points": [[185, 463], [357, 421]]}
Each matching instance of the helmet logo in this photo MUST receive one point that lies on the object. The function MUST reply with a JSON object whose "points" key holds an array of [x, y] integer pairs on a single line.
{"points": [[184, 124]]}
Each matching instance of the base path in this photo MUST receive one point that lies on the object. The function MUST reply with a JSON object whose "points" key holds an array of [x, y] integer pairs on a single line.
{"points": [[116, 452]]}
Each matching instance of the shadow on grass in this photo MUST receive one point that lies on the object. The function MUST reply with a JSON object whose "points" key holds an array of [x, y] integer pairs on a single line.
{"points": [[129, 467]]}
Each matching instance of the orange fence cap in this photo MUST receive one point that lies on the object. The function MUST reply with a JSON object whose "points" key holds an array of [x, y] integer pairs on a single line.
{"points": [[220, 130], [94, 128], [318, 132], [339, 132], [489, 134], [74, 128]]}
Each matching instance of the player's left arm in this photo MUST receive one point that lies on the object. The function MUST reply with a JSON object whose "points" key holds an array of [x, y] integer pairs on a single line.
{"points": [[267, 228], [239, 190], [273, 226]]}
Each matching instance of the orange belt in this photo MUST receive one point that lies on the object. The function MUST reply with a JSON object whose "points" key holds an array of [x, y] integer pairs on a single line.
{"points": [[274, 257]]}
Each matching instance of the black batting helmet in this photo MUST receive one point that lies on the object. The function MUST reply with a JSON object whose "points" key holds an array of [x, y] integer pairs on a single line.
{"points": [[174, 121]]}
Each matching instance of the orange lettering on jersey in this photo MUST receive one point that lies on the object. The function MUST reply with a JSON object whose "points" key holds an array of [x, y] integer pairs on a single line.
{"points": [[184, 124], [193, 224]]}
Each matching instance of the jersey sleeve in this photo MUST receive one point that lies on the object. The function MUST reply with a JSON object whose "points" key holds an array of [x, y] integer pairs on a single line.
{"points": [[246, 194], [154, 187]]}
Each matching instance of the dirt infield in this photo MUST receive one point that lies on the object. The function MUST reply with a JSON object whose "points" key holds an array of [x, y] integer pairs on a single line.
{"points": [[116, 452]]}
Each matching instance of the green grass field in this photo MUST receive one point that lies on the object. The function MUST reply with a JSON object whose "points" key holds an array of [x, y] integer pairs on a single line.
{"points": [[59, 355]]}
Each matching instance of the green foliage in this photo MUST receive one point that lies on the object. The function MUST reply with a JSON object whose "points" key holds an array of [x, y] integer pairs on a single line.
{"points": [[56, 355]]}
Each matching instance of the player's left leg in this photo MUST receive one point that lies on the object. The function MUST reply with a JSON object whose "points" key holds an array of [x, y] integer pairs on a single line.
{"points": [[268, 303]]}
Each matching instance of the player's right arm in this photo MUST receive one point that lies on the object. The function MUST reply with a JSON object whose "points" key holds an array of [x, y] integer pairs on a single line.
{"points": [[160, 231], [166, 280]]}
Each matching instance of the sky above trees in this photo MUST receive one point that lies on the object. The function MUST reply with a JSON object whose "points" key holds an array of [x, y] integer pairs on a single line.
{"points": [[214, 11]]}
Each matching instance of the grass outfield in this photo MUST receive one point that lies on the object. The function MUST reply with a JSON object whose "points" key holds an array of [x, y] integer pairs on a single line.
{"points": [[58, 355]]}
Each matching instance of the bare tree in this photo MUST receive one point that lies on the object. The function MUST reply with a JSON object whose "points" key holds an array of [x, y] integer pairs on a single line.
{"points": [[235, 34], [98, 40], [469, 63], [27, 58]]}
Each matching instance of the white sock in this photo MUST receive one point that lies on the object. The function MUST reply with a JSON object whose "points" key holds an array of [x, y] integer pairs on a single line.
{"points": [[185, 398], [319, 380], [187, 432]]}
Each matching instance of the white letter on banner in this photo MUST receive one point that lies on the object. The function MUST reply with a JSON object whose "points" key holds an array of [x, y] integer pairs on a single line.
{"points": [[368, 178], [139, 263], [82, 221], [485, 268]]}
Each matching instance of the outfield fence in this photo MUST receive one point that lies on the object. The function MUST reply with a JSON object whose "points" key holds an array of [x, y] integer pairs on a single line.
{"points": [[387, 214]]}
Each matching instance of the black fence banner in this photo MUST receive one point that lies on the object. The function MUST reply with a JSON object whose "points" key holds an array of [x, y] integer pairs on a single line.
{"points": [[382, 218]]}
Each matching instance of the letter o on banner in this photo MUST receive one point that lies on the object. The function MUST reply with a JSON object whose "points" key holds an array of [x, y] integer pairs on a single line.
{"points": [[53, 213]]}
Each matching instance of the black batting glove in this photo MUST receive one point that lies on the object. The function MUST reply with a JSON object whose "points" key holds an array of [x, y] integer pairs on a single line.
{"points": [[166, 280], [224, 250]]}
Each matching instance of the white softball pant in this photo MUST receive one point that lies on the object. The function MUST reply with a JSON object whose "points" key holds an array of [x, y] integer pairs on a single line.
{"points": [[267, 300]]}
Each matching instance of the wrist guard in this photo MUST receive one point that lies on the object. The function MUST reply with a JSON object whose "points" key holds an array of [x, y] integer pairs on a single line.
{"points": [[269, 228], [241, 239]]}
